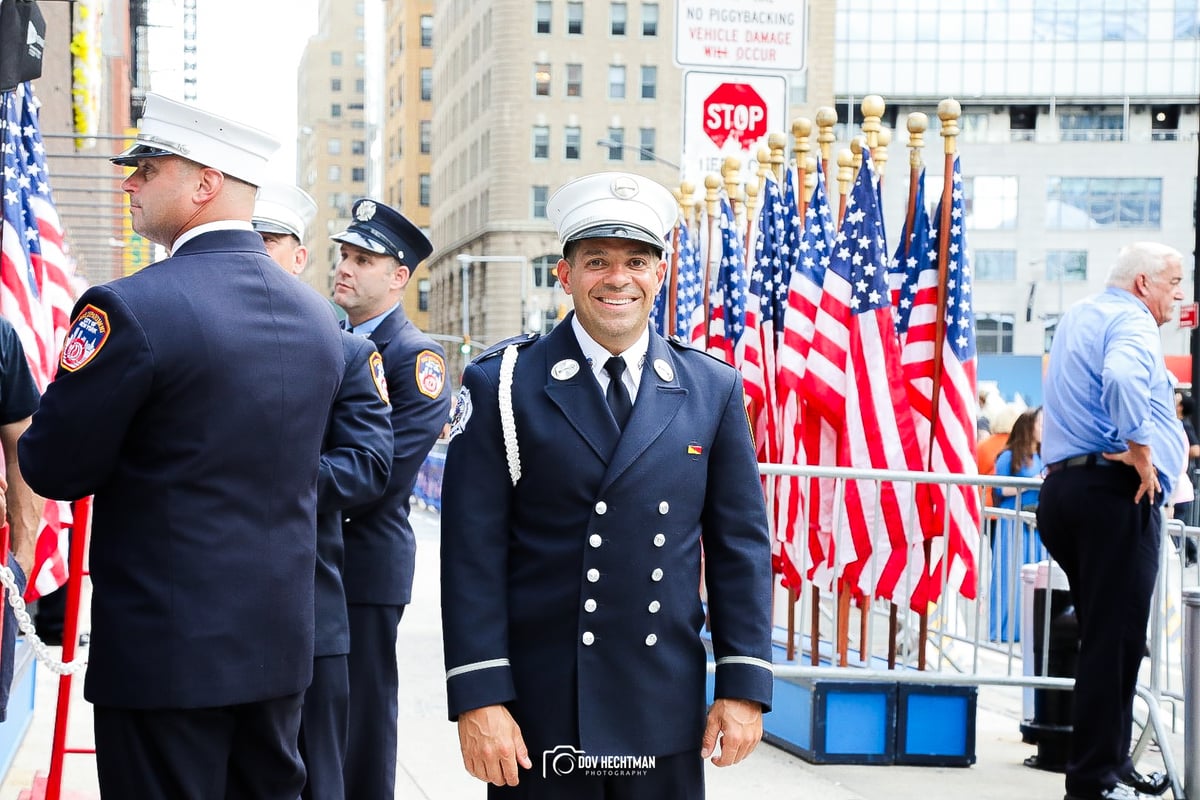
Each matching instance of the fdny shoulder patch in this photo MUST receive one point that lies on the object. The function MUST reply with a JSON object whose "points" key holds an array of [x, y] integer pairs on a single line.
{"points": [[461, 414], [375, 363], [431, 373], [88, 334]]}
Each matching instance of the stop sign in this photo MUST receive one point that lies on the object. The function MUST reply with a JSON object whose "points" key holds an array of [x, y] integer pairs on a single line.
{"points": [[735, 111]]}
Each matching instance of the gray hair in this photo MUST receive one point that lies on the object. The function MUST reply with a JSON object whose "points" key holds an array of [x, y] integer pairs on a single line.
{"points": [[1140, 258]]}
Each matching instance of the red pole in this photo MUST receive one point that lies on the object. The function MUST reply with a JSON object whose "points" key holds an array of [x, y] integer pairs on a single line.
{"points": [[79, 529]]}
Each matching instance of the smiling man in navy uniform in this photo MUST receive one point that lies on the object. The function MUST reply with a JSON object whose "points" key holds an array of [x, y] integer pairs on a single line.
{"points": [[577, 495], [379, 251], [356, 459], [191, 400]]}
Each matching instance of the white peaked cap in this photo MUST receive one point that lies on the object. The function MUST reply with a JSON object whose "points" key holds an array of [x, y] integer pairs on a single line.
{"points": [[616, 205], [169, 127], [283, 208]]}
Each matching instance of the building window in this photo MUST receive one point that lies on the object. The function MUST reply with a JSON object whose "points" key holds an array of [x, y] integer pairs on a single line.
{"points": [[575, 18], [994, 265], [574, 80], [1082, 203], [619, 14], [333, 147], [1104, 125], [541, 142], [423, 190], [426, 30], [335, 109], [990, 201], [541, 80], [616, 82], [335, 58], [335, 84], [360, 59], [649, 82], [646, 141], [616, 144], [360, 85], [649, 19], [539, 195], [541, 16], [358, 147], [994, 333], [572, 143], [426, 135], [1066, 266], [1187, 22], [423, 294], [545, 271], [359, 34], [358, 174], [426, 83], [334, 174]]}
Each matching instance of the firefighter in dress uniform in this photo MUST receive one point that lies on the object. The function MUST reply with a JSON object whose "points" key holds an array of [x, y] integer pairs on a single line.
{"points": [[191, 399], [356, 459], [578, 494], [379, 252]]}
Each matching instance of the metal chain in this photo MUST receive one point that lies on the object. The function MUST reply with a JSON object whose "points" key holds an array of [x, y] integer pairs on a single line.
{"points": [[40, 649]]}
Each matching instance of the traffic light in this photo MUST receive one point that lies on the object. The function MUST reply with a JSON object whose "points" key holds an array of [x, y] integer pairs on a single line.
{"points": [[465, 347]]}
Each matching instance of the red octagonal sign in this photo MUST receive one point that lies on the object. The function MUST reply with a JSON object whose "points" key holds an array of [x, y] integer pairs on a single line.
{"points": [[735, 111]]}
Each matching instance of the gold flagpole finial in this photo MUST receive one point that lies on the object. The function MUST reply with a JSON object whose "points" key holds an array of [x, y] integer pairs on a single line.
{"points": [[949, 112], [879, 153], [856, 154], [778, 143], [827, 118], [917, 124], [872, 111]]}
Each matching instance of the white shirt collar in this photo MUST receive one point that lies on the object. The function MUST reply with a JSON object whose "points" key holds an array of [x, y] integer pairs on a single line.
{"points": [[219, 225], [597, 355]]}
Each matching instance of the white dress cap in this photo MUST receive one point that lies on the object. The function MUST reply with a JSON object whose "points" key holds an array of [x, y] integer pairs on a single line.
{"points": [[283, 208], [169, 127], [613, 205]]}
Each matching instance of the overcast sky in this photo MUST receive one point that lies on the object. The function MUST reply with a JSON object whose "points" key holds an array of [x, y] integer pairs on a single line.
{"points": [[248, 54]]}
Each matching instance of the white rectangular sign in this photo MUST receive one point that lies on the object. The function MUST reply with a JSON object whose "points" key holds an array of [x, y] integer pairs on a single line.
{"points": [[766, 35], [729, 114]]}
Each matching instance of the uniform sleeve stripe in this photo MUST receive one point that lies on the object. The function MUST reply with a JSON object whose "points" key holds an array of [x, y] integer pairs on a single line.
{"points": [[478, 665], [748, 661]]}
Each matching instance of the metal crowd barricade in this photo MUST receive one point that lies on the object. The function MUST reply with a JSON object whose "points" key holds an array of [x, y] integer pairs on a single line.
{"points": [[956, 629]]}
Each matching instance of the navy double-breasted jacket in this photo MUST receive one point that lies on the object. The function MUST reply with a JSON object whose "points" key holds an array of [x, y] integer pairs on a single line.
{"points": [[191, 400], [380, 547], [574, 597]]}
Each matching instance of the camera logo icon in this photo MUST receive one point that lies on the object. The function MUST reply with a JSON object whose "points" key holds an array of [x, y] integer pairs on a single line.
{"points": [[561, 760]]}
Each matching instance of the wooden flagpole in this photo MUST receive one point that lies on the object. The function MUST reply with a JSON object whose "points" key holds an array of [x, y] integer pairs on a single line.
{"points": [[712, 188], [845, 179], [801, 146]]}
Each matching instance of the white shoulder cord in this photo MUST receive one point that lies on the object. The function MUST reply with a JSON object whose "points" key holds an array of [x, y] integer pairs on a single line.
{"points": [[508, 420], [48, 659]]}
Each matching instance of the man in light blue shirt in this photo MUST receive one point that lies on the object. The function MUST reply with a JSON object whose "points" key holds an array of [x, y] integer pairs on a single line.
{"points": [[1113, 448]]}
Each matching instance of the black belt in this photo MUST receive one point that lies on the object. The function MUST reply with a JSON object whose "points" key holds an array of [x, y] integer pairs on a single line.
{"points": [[1086, 460]]}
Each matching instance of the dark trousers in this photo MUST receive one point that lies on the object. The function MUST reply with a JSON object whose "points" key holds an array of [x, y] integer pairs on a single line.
{"points": [[324, 719], [674, 777], [1109, 549], [241, 752], [370, 771]]}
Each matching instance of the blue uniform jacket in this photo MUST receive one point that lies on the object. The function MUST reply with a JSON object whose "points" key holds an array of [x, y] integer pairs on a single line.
{"points": [[355, 464], [195, 403], [574, 598], [380, 548]]}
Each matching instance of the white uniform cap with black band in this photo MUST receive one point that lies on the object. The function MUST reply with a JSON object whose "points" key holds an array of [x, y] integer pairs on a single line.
{"points": [[283, 208], [613, 205], [169, 127]]}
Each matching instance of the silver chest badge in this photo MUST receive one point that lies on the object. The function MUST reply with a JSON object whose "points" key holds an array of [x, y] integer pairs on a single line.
{"points": [[663, 369], [565, 369]]}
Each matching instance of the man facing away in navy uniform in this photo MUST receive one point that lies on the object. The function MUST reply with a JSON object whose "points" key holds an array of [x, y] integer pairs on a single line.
{"points": [[586, 471], [191, 399], [379, 251], [355, 462]]}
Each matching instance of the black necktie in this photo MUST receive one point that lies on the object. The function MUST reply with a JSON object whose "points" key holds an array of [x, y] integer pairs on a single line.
{"points": [[616, 394]]}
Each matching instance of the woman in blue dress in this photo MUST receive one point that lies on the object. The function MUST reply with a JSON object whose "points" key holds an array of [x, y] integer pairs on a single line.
{"points": [[1017, 541]]}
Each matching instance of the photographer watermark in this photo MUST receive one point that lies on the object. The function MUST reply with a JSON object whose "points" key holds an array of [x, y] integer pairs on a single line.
{"points": [[568, 760]]}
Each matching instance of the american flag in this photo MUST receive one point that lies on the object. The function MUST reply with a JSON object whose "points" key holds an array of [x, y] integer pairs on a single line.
{"points": [[688, 277], [727, 316], [945, 427], [812, 256], [35, 293], [879, 431]]}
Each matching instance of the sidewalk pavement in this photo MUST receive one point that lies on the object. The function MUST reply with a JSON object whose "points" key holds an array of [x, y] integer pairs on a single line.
{"points": [[429, 766]]}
